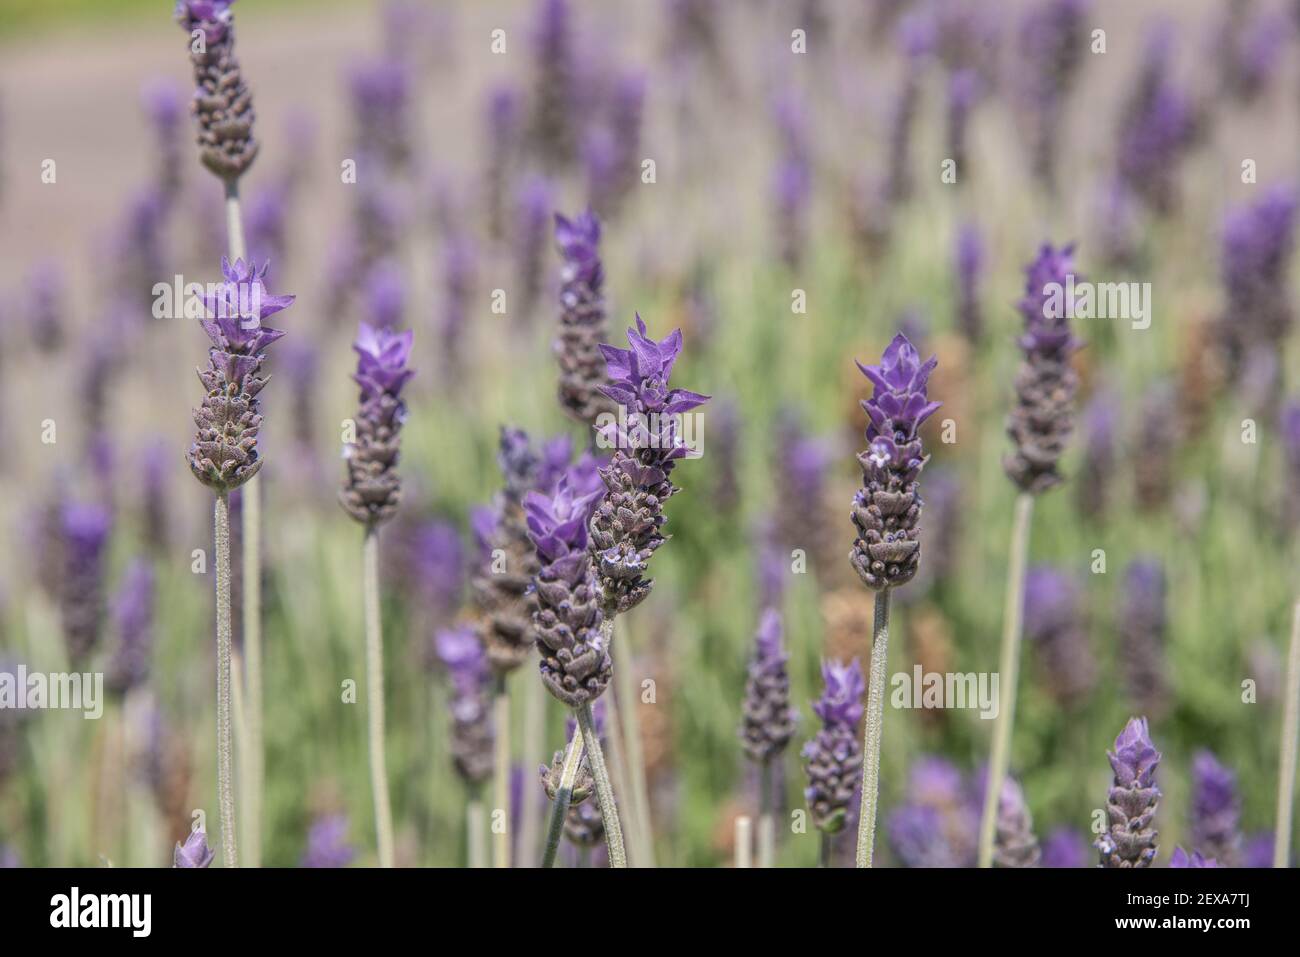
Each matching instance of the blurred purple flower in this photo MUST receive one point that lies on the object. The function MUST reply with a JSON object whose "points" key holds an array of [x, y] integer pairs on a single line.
{"points": [[327, 843]]}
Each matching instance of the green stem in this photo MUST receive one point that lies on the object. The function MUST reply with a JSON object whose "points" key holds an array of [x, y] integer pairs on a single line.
{"points": [[225, 792], [531, 813], [375, 698], [639, 795], [766, 823], [563, 795], [872, 734], [824, 855], [1287, 758], [604, 791], [1008, 669], [501, 771]]}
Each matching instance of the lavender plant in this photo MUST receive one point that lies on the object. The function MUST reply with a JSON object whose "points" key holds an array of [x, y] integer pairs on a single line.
{"points": [[886, 515], [1039, 426], [574, 647], [1015, 844], [833, 758], [1129, 839], [466, 661], [370, 494], [223, 113], [583, 325], [1142, 624], [767, 722], [84, 539], [1216, 811], [225, 456]]}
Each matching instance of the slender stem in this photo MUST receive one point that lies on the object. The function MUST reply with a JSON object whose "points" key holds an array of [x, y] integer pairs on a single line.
{"points": [[531, 814], [824, 853], [744, 841], [766, 823], [617, 759], [872, 734], [375, 698], [225, 792], [563, 795], [639, 795], [1008, 669], [475, 827], [1287, 758], [252, 766], [234, 221], [501, 771], [604, 791], [239, 713]]}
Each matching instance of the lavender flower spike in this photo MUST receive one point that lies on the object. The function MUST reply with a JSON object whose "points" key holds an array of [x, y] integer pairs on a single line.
{"points": [[84, 531], [626, 529], [887, 509], [462, 653], [224, 455], [582, 320], [575, 663], [194, 852], [832, 758], [372, 488], [1216, 810], [1130, 840], [222, 105], [1180, 858], [133, 616], [768, 720], [1015, 844], [1042, 419]]}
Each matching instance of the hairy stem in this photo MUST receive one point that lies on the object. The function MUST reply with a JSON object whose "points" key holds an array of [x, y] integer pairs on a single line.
{"points": [[1008, 669], [252, 763], [617, 759], [1287, 758], [225, 791], [604, 791], [563, 795], [375, 698], [766, 822], [501, 770], [872, 734], [744, 842]]}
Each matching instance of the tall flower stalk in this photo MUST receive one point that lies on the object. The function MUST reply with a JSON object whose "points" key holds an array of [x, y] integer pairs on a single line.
{"points": [[768, 723], [370, 494], [833, 757], [224, 116], [626, 529], [225, 456], [1039, 426], [572, 637], [463, 655], [886, 515]]}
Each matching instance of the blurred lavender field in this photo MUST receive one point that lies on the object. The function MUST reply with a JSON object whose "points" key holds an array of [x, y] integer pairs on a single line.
{"points": [[788, 183]]}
